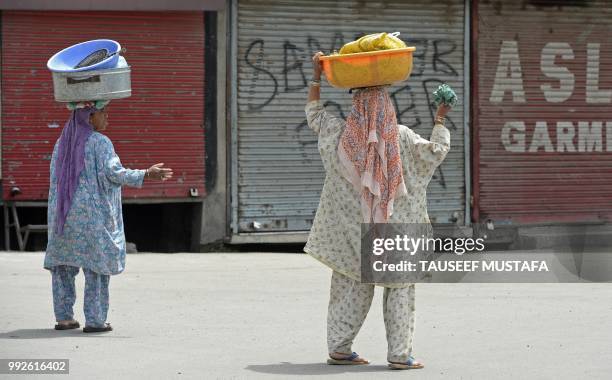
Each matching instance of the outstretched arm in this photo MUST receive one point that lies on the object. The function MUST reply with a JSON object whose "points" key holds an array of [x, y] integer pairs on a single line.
{"points": [[115, 172], [112, 169]]}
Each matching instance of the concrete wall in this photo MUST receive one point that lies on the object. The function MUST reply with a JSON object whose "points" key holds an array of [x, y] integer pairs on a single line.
{"points": [[214, 208]]}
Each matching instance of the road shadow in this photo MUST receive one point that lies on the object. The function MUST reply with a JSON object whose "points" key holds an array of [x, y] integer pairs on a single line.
{"points": [[301, 369], [51, 333]]}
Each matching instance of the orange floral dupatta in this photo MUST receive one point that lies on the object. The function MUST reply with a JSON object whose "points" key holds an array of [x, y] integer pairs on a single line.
{"points": [[369, 153]]}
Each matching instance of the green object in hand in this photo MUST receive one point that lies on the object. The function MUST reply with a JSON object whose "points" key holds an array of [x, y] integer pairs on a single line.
{"points": [[445, 94]]}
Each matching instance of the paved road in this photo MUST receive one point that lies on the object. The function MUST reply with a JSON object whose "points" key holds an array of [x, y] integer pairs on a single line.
{"points": [[262, 315]]}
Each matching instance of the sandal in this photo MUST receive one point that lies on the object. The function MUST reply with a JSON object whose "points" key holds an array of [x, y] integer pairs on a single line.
{"points": [[67, 326], [91, 329], [353, 359], [411, 363]]}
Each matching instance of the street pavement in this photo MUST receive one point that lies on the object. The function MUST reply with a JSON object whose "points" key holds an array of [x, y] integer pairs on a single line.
{"points": [[262, 315]]}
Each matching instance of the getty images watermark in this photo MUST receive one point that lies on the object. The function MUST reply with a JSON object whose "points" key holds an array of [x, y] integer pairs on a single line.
{"points": [[401, 253]]}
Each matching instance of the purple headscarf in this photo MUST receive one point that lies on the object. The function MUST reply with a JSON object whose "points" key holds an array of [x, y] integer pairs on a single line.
{"points": [[70, 161]]}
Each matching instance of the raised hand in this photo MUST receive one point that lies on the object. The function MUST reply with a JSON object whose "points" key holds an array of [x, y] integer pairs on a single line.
{"points": [[317, 66], [443, 109]]}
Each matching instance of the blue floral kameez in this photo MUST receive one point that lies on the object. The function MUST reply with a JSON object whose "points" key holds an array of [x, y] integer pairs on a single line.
{"points": [[93, 236]]}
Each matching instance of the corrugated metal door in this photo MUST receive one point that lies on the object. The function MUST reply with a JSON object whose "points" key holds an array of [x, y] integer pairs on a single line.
{"points": [[544, 121], [278, 175], [161, 122]]}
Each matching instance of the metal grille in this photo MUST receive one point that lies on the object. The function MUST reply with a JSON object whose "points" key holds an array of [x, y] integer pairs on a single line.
{"points": [[93, 58]]}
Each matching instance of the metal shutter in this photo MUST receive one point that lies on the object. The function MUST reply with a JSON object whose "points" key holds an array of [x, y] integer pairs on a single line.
{"points": [[161, 122], [277, 173], [553, 64]]}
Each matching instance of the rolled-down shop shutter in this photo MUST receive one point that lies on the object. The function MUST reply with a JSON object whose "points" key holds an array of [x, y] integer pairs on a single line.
{"points": [[161, 122], [278, 175], [544, 122]]}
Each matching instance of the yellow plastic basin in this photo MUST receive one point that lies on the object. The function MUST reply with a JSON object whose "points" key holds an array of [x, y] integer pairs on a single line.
{"points": [[372, 68]]}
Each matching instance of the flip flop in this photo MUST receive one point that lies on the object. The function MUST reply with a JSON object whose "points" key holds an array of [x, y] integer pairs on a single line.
{"points": [[91, 329], [351, 360], [411, 363], [67, 326]]}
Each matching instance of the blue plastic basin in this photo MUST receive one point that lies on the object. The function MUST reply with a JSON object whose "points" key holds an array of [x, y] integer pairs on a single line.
{"points": [[65, 60]]}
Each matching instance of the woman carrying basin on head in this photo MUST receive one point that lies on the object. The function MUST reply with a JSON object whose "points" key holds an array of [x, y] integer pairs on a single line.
{"points": [[84, 214], [376, 171]]}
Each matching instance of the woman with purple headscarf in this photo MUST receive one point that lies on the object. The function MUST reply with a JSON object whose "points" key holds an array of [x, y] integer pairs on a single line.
{"points": [[84, 214]]}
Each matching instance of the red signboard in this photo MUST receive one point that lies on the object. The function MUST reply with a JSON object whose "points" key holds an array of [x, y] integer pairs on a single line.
{"points": [[543, 115]]}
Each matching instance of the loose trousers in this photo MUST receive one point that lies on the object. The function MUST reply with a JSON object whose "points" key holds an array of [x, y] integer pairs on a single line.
{"points": [[95, 300], [349, 303]]}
